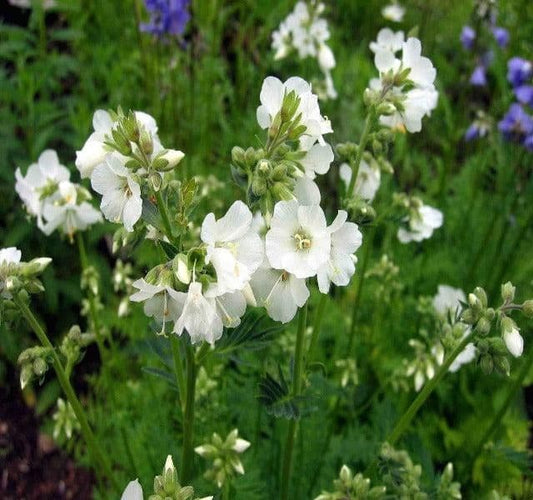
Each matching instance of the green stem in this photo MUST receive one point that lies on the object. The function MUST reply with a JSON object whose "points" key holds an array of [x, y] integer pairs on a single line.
{"points": [[511, 394], [93, 312], [166, 219], [104, 468], [369, 124], [178, 368], [359, 290], [295, 391], [317, 324], [426, 391], [188, 419]]}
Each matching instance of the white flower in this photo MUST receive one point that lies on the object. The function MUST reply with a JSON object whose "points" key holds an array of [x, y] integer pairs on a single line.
{"points": [[272, 94], [172, 156], [280, 292], [514, 341], [306, 191], [345, 240], [199, 317], [298, 240], [161, 302], [326, 59], [368, 179], [121, 195], [465, 356], [448, 299], [94, 150], [133, 491], [63, 211], [40, 181], [10, 255], [422, 225], [28, 4], [317, 160], [233, 248], [393, 12], [388, 40]]}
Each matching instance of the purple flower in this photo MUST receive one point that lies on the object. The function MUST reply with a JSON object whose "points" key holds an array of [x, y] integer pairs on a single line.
{"points": [[166, 17], [524, 94], [476, 130], [528, 142], [519, 71], [516, 124], [468, 35], [479, 78], [501, 35]]}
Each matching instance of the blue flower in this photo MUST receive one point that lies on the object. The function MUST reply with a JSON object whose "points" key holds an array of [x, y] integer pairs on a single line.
{"points": [[524, 94], [476, 130], [501, 35], [479, 78], [468, 35], [167, 17], [519, 70], [517, 124]]}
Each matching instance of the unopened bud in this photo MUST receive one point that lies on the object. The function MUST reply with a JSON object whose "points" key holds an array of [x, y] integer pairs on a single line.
{"points": [[527, 308], [173, 157], [508, 291], [481, 295], [146, 143], [39, 367], [483, 326], [486, 364], [181, 269], [35, 266]]}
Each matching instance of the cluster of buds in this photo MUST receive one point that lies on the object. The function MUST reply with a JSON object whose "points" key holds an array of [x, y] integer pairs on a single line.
{"points": [[166, 487], [73, 344], [348, 371], [399, 474], [493, 350], [33, 363], [65, 420], [18, 277], [448, 489], [225, 456], [350, 487], [385, 273]]}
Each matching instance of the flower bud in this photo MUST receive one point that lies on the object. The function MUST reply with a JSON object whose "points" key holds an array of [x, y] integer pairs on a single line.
{"points": [[39, 367], [146, 143], [486, 364], [481, 295], [181, 269], [514, 341], [527, 308], [172, 156], [508, 291], [237, 156], [156, 181], [501, 363], [35, 266], [170, 476], [483, 326], [26, 374]]}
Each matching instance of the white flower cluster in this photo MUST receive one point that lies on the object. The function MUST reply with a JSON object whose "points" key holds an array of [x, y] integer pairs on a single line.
{"points": [[304, 31], [367, 182], [56, 202], [393, 12], [406, 82], [108, 169], [259, 260]]}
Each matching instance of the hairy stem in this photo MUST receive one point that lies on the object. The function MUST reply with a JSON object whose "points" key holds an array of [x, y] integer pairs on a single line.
{"points": [[295, 391], [188, 419], [369, 124], [93, 312], [103, 467]]}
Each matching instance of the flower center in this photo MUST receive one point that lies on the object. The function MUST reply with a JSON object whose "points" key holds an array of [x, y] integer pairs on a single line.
{"points": [[302, 240]]}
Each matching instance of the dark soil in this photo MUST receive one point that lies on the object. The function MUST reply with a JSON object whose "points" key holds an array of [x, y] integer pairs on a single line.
{"points": [[31, 466]]}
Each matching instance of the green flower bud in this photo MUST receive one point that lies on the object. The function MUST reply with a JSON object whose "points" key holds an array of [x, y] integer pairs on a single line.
{"points": [[237, 156], [483, 326], [508, 292], [527, 308], [35, 266], [156, 181], [501, 363], [146, 143], [486, 364], [26, 375], [481, 295], [39, 367]]}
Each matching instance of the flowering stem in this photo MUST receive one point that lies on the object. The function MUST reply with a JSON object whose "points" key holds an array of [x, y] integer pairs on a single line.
{"points": [[359, 290], [178, 368], [165, 218], [188, 418], [369, 124], [93, 312], [104, 468], [317, 323], [511, 394], [406, 418], [295, 391]]}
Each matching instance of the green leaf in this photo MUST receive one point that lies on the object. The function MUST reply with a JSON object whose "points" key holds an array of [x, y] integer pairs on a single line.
{"points": [[275, 396], [167, 376]]}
